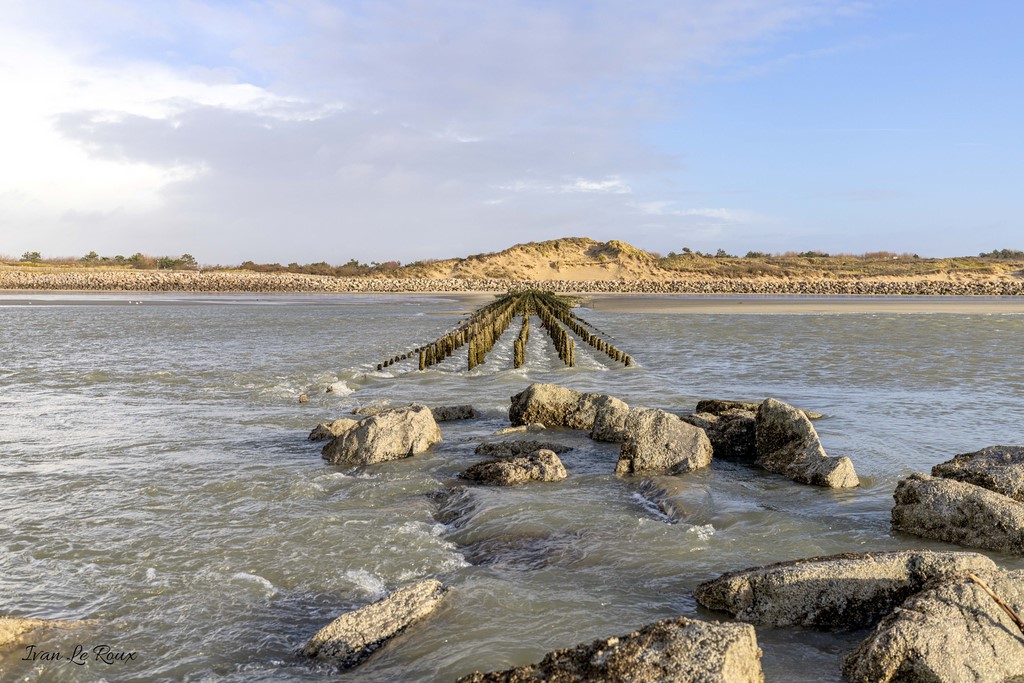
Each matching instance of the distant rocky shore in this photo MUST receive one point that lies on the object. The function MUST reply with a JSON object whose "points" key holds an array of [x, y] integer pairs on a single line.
{"points": [[239, 281]]}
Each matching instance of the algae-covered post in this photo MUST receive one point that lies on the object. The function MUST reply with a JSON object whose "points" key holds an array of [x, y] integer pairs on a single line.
{"points": [[482, 330]]}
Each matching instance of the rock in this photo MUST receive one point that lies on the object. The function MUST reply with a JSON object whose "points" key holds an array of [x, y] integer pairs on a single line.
{"points": [[676, 650], [521, 429], [657, 441], [951, 632], [525, 551], [609, 418], [13, 629], [838, 592], [508, 449], [366, 411], [958, 512], [354, 636], [448, 413], [556, 406], [329, 430], [717, 407], [996, 468], [541, 465], [303, 398], [732, 433], [550, 404], [388, 435], [788, 444]]}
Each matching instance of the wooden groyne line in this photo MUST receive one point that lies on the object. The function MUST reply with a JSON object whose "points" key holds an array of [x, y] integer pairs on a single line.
{"points": [[481, 331]]}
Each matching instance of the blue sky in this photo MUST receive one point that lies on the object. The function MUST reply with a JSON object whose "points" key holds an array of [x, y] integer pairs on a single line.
{"points": [[305, 130]]}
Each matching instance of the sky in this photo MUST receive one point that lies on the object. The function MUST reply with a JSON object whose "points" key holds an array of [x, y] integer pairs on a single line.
{"points": [[317, 130]]}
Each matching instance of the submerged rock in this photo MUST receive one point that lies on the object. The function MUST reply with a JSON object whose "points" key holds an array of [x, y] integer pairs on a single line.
{"points": [[508, 449], [521, 429], [14, 629], [541, 465], [676, 650], [388, 435], [330, 430], [526, 551], [788, 444], [717, 407], [657, 441], [951, 632], [837, 592], [351, 638], [732, 433], [996, 468], [958, 512], [449, 413]]}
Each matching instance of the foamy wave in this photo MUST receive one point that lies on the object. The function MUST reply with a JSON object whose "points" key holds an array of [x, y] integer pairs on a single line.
{"points": [[367, 582], [704, 532], [255, 578]]}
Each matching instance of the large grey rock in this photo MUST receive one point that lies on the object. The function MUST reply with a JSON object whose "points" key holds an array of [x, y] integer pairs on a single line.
{"points": [[733, 433], [509, 449], [657, 441], [838, 592], [717, 407], [15, 629], [957, 512], [951, 632], [996, 468], [551, 405], [330, 430], [676, 650], [354, 636], [542, 465], [788, 444], [609, 418], [557, 406], [388, 435]]}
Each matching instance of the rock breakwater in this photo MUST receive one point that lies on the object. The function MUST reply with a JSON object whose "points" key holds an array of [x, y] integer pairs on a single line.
{"points": [[237, 281]]}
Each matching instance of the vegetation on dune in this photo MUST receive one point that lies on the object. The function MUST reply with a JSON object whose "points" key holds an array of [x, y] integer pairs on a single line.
{"points": [[565, 256]]}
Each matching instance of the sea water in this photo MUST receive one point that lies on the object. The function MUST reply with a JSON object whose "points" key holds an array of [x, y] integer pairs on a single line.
{"points": [[157, 480]]}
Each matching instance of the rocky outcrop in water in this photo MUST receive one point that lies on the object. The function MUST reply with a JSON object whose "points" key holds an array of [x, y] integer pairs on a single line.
{"points": [[351, 638], [449, 413], [951, 632], [788, 444], [670, 651], [388, 435], [996, 468], [330, 430], [541, 465], [553, 406], [509, 449], [838, 592], [958, 512], [657, 441], [732, 432]]}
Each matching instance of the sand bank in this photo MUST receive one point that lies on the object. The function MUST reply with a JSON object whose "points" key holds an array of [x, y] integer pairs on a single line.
{"points": [[776, 305]]}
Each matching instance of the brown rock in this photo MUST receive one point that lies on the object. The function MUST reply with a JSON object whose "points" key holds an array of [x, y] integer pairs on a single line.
{"points": [[351, 638], [657, 441], [541, 465], [788, 444], [388, 435], [996, 468], [330, 430], [676, 650]]}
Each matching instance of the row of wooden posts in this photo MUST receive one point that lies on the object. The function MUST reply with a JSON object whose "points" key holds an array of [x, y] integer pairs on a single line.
{"points": [[486, 325]]}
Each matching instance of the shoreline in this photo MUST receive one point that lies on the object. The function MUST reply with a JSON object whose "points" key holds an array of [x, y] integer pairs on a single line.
{"points": [[706, 304], [217, 282]]}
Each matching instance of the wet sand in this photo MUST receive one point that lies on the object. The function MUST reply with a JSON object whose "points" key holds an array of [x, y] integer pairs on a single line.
{"points": [[793, 305]]}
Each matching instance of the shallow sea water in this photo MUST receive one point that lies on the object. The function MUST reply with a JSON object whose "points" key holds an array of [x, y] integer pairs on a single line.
{"points": [[157, 479]]}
